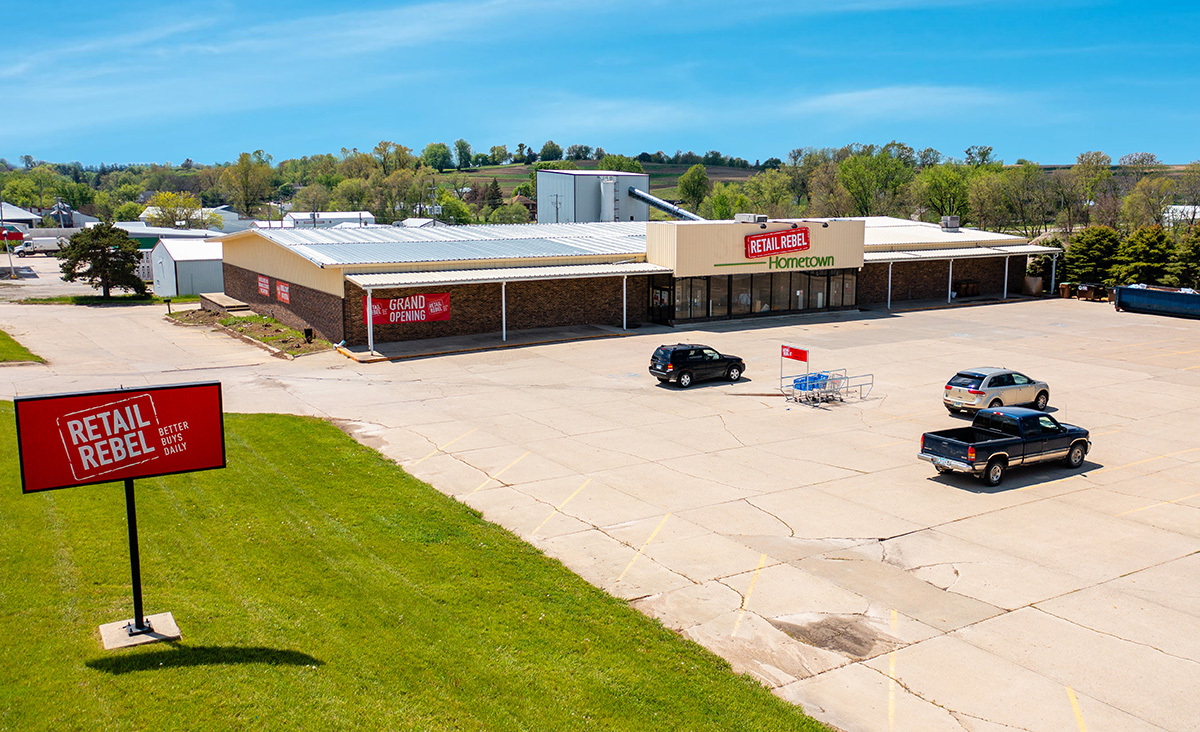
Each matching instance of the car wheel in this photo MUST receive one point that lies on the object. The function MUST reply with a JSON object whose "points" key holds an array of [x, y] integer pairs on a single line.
{"points": [[685, 379], [993, 475], [1042, 400], [21, 255], [1076, 454], [995, 403], [735, 373]]}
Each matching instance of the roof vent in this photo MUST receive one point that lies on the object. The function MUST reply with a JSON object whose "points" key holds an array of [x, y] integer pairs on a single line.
{"points": [[950, 223], [749, 218]]}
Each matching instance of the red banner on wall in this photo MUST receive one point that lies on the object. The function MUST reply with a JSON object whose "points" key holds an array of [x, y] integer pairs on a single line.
{"points": [[283, 292], [411, 309], [264, 286], [67, 440], [777, 242]]}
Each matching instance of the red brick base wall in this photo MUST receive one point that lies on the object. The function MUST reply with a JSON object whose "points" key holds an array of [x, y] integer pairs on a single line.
{"points": [[931, 280], [306, 307], [476, 308]]}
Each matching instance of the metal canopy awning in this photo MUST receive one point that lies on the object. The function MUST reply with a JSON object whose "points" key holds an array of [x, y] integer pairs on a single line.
{"points": [[504, 274], [927, 255]]}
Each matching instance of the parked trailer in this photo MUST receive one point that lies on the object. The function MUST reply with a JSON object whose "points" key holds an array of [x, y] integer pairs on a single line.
{"points": [[1158, 301]]}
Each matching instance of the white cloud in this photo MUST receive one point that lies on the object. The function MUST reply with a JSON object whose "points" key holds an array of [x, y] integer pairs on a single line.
{"points": [[906, 103]]}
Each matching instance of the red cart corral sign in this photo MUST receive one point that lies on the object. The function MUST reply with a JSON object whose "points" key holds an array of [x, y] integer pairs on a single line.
{"points": [[411, 309], [796, 354], [66, 440]]}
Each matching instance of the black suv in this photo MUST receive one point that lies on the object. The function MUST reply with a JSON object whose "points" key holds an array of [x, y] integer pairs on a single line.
{"points": [[686, 363]]}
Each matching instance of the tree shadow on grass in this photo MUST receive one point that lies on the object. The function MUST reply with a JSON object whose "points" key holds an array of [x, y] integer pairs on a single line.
{"points": [[180, 656]]}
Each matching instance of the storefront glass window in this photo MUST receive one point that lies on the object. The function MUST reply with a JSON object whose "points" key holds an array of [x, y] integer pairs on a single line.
{"points": [[760, 293], [799, 290], [739, 294], [816, 291], [781, 287], [835, 290], [718, 296], [682, 300], [699, 297], [849, 289]]}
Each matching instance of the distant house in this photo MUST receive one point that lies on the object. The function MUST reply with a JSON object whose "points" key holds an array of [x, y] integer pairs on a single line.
{"points": [[186, 267], [61, 215], [1181, 214], [326, 219], [529, 204], [11, 214], [230, 221]]}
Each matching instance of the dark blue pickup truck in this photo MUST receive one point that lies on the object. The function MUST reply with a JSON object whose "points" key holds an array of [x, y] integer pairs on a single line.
{"points": [[1001, 438]]}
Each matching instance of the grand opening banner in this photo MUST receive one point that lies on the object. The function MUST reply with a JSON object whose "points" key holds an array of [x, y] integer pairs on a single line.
{"points": [[84, 438], [411, 309]]}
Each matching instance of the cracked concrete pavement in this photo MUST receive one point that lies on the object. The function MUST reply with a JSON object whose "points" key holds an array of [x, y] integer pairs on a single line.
{"points": [[807, 546]]}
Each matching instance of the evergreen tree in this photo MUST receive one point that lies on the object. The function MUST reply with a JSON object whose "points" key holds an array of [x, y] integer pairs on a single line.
{"points": [[104, 257], [1186, 267], [1144, 258], [1091, 255], [493, 197]]}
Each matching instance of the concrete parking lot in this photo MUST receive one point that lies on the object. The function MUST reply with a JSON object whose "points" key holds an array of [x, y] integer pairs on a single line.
{"points": [[806, 545]]}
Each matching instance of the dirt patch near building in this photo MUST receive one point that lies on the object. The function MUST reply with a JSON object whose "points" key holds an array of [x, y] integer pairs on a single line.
{"points": [[260, 330]]}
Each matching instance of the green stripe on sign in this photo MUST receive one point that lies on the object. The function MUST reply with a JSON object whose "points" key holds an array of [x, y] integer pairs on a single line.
{"points": [[736, 264]]}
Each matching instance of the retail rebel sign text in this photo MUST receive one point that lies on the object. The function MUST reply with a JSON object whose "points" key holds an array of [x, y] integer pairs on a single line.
{"points": [[777, 242], [95, 437], [411, 309]]}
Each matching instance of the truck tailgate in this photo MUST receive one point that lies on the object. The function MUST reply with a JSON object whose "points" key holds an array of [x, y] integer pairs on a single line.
{"points": [[945, 447]]}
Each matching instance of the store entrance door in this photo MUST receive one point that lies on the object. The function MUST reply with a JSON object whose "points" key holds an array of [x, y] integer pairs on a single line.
{"points": [[662, 304]]}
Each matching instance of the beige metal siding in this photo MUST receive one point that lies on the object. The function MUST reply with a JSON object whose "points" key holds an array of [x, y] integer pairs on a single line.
{"points": [[702, 248], [252, 252]]}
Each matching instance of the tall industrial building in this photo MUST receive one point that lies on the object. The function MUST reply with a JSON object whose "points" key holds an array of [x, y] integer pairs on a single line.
{"points": [[585, 196]]}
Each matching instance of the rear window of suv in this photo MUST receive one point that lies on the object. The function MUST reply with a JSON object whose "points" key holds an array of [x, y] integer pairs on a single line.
{"points": [[966, 381], [662, 354]]}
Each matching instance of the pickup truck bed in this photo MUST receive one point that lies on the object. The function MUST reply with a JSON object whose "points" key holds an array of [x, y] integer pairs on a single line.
{"points": [[1001, 438]]}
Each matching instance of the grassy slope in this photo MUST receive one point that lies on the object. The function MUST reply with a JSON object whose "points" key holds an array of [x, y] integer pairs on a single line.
{"points": [[324, 588], [663, 178], [10, 350]]}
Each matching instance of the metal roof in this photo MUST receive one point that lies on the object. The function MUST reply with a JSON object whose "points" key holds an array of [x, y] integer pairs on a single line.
{"points": [[926, 255], [505, 274], [887, 231], [401, 245], [191, 250]]}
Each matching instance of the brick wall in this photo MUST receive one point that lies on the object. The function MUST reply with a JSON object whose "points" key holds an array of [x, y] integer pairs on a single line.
{"points": [[307, 307], [930, 280], [476, 308]]}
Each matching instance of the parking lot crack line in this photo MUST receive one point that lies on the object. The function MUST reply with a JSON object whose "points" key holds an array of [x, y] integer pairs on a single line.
{"points": [[1097, 631], [954, 714], [730, 432]]}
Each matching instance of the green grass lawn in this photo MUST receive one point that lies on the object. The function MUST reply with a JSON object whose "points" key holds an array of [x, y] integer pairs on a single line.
{"points": [[319, 587], [10, 350]]}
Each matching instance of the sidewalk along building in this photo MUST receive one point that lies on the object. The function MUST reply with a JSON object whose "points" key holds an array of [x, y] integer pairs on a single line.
{"points": [[380, 284]]}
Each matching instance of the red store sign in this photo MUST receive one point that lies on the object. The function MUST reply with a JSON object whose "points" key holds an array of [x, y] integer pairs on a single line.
{"points": [[264, 286], [411, 309], [796, 354], [777, 242], [101, 436], [283, 292]]}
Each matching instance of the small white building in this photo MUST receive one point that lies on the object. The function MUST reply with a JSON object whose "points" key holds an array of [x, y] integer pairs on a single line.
{"points": [[326, 219], [11, 214], [187, 267]]}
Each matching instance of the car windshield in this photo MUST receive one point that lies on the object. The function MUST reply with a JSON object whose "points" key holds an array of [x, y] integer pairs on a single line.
{"points": [[966, 381]]}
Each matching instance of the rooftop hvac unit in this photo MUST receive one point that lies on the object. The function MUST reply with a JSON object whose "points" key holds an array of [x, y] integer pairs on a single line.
{"points": [[749, 218], [950, 223]]}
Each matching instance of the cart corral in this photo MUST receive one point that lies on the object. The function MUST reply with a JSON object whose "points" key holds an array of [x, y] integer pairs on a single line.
{"points": [[818, 387]]}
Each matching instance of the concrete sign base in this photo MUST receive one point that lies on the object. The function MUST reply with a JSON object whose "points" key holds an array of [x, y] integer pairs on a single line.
{"points": [[162, 628]]}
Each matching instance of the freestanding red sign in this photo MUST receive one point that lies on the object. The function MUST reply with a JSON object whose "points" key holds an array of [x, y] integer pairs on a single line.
{"points": [[411, 309], [101, 436], [777, 242], [796, 354]]}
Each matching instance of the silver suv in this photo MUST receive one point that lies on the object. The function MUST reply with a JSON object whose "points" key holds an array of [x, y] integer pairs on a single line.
{"points": [[974, 389]]}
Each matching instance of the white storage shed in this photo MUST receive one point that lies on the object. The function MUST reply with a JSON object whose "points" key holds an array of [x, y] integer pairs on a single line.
{"points": [[187, 267]]}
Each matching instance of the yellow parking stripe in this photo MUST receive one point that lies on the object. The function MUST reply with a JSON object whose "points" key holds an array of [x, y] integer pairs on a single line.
{"points": [[749, 591], [1075, 706], [436, 450], [892, 681], [643, 546], [497, 475], [1160, 503], [559, 507]]}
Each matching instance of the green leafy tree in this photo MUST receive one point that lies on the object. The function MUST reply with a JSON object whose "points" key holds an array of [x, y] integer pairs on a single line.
{"points": [[985, 192], [579, 152], [725, 200], [499, 154], [943, 189], [512, 213], [437, 156], [551, 151], [1144, 258], [620, 163], [1186, 267], [453, 211], [1091, 255], [180, 211], [462, 153], [978, 155], [247, 183], [1147, 202], [827, 195], [694, 185], [770, 193], [479, 160], [314, 197], [1029, 197], [128, 211], [351, 194], [875, 178], [103, 257]]}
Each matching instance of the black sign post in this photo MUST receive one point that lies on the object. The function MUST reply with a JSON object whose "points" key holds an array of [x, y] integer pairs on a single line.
{"points": [[135, 565]]}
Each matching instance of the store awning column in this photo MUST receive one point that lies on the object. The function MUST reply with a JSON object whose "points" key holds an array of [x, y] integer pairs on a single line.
{"points": [[950, 284], [1053, 268], [625, 303], [1006, 278], [504, 311], [889, 297], [371, 320]]}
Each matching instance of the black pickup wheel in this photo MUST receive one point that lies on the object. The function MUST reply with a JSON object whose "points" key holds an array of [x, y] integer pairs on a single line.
{"points": [[993, 475], [1076, 454]]}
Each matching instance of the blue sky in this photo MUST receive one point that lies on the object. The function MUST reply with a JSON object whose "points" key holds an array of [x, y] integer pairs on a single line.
{"points": [[167, 80]]}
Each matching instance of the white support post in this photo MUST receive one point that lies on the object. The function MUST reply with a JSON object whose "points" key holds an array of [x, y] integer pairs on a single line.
{"points": [[625, 302], [371, 320], [889, 298], [504, 311], [1053, 267], [950, 285], [1005, 278]]}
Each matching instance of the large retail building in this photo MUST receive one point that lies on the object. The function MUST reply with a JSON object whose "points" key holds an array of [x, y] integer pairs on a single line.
{"points": [[381, 283]]}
